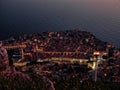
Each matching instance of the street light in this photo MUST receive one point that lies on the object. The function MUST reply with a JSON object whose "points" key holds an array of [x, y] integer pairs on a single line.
{"points": [[36, 44], [96, 55]]}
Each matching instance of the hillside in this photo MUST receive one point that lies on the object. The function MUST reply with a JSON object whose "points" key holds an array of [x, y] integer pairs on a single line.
{"points": [[62, 41]]}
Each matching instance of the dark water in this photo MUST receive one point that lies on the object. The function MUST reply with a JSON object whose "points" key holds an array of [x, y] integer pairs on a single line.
{"points": [[101, 17]]}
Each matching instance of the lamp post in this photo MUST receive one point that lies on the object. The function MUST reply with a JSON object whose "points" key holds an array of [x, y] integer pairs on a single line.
{"points": [[36, 44], [96, 55]]}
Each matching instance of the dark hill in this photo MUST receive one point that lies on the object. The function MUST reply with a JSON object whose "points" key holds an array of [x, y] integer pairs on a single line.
{"points": [[69, 40]]}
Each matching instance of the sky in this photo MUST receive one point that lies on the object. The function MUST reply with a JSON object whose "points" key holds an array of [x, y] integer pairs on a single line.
{"points": [[101, 17]]}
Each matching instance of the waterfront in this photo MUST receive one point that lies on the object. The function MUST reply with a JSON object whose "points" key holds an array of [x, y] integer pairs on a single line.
{"points": [[57, 60]]}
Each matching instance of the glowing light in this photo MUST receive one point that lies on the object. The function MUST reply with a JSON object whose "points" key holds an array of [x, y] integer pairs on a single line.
{"points": [[94, 66], [96, 53]]}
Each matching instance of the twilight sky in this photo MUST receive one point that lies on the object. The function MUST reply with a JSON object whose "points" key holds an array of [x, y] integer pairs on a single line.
{"points": [[101, 17]]}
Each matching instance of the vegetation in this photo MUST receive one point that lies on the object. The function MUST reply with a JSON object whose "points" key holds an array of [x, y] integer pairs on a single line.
{"points": [[22, 82]]}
